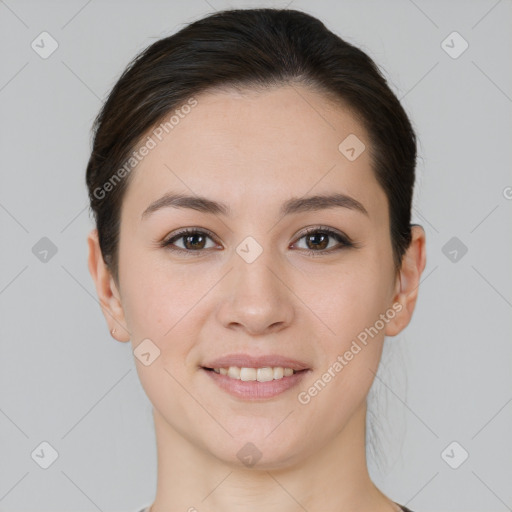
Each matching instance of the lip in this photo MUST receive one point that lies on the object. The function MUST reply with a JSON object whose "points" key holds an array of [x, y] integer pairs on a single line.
{"points": [[254, 390], [248, 361]]}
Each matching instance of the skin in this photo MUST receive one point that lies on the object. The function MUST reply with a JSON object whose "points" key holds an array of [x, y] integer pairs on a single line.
{"points": [[253, 151]]}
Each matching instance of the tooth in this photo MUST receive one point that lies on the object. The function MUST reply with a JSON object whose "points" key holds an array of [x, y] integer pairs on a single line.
{"points": [[278, 372], [234, 372], [247, 374], [264, 374]]}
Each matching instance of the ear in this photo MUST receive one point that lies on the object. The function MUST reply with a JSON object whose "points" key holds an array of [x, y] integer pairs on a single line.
{"points": [[408, 281], [108, 294]]}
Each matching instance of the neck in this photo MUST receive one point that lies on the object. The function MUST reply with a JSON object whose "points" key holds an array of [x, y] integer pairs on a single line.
{"points": [[335, 478]]}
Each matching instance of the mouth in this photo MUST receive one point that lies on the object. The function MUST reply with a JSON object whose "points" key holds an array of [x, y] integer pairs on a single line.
{"points": [[263, 374], [255, 384]]}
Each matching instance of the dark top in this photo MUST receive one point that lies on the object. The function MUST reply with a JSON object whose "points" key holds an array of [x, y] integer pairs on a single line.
{"points": [[405, 509]]}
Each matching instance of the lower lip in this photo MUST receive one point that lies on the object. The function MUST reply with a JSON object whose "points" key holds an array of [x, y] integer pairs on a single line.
{"points": [[254, 390]]}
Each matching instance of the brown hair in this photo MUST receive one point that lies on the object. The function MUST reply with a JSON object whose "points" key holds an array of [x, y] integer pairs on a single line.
{"points": [[257, 48]]}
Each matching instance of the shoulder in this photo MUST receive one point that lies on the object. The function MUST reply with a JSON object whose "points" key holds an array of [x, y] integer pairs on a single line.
{"points": [[405, 509]]}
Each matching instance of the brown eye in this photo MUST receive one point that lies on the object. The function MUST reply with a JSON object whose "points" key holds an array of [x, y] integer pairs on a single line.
{"points": [[319, 240], [192, 241]]}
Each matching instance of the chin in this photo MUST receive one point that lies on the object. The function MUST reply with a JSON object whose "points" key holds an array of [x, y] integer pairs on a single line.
{"points": [[259, 451]]}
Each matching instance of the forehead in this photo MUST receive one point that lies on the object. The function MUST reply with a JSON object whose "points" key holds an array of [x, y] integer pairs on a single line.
{"points": [[249, 147]]}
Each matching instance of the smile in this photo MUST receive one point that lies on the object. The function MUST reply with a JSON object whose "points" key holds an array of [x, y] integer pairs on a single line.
{"points": [[264, 374], [255, 383]]}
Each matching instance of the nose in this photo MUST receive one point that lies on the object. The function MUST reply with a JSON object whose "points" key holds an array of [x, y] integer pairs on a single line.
{"points": [[256, 297]]}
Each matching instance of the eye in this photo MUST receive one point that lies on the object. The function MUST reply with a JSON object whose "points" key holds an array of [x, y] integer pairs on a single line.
{"points": [[194, 240], [318, 240]]}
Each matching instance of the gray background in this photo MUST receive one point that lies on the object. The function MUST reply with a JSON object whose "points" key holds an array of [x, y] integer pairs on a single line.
{"points": [[447, 377]]}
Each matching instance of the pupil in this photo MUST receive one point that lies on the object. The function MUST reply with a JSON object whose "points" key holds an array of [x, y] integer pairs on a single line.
{"points": [[191, 237], [324, 237]]}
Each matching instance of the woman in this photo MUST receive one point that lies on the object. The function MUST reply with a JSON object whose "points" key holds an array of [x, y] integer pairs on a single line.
{"points": [[251, 179]]}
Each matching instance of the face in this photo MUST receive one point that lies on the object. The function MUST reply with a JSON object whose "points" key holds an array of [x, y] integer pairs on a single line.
{"points": [[314, 285]]}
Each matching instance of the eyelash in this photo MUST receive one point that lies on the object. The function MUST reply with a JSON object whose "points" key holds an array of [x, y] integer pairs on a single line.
{"points": [[344, 241]]}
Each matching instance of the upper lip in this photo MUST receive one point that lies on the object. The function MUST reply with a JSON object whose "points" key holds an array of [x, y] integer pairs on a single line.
{"points": [[248, 361]]}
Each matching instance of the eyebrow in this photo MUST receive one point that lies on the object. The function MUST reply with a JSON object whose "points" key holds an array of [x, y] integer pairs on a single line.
{"points": [[291, 206]]}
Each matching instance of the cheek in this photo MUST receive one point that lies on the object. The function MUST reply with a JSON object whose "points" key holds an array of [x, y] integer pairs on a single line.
{"points": [[352, 346], [356, 297], [162, 306], [352, 309], [148, 295], [161, 301]]}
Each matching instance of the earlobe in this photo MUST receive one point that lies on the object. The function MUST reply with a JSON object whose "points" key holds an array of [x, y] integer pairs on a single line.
{"points": [[106, 289], [408, 281]]}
